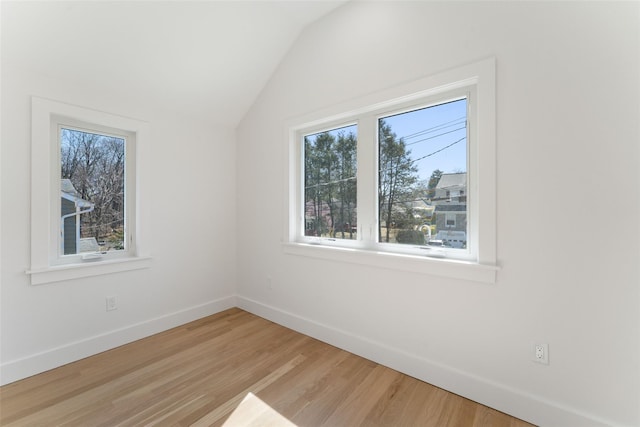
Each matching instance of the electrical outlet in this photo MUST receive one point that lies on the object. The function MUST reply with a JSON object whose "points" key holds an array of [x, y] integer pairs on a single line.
{"points": [[111, 304], [541, 353]]}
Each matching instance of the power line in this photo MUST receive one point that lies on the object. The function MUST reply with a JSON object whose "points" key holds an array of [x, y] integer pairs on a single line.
{"points": [[457, 121], [437, 151], [449, 123], [428, 155], [435, 136]]}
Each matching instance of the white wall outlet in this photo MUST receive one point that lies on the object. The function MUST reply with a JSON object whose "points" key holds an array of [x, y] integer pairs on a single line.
{"points": [[111, 304], [541, 353]]}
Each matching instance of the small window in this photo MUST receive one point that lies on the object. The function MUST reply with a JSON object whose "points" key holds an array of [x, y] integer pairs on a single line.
{"points": [[450, 220], [86, 216]]}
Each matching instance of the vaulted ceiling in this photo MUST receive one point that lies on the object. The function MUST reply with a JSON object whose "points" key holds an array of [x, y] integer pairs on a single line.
{"points": [[207, 59]]}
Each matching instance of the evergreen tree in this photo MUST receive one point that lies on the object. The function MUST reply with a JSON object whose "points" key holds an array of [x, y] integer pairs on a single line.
{"points": [[433, 183], [396, 176], [346, 148], [330, 182]]}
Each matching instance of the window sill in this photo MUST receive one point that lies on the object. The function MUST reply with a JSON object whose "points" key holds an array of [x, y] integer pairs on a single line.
{"points": [[456, 269], [59, 273]]}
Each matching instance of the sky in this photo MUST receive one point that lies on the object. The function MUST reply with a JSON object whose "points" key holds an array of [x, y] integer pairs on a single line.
{"points": [[436, 137]]}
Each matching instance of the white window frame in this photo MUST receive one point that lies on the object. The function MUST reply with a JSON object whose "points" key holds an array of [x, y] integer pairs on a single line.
{"points": [[47, 263], [478, 262]]}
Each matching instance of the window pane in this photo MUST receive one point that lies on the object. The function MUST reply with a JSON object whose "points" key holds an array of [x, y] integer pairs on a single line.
{"points": [[91, 192], [330, 183], [422, 176]]}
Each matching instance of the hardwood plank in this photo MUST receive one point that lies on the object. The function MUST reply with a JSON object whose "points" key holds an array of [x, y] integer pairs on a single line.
{"points": [[234, 368], [397, 405]]}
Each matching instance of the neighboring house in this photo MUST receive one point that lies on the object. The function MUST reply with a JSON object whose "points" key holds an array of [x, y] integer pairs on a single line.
{"points": [[450, 201], [71, 207], [421, 209]]}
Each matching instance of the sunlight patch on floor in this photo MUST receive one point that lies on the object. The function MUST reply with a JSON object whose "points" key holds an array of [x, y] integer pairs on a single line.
{"points": [[254, 412]]}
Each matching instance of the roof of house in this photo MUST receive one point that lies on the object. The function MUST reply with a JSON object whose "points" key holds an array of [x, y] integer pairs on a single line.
{"points": [[451, 208], [69, 192], [67, 187], [452, 180]]}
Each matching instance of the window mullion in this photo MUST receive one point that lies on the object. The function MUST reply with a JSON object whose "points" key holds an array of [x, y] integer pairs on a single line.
{"points": [[367, 181]]}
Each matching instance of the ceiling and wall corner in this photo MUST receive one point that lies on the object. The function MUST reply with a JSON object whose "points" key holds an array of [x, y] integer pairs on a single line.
{"points": [[206, 60]]}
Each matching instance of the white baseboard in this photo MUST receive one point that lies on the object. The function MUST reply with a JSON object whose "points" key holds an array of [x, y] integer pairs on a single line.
{"points": [[531, 408], [34, 364]]}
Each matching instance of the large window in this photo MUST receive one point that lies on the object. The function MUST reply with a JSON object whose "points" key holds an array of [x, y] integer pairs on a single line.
{"points": [[86, 218], [404, 179]]}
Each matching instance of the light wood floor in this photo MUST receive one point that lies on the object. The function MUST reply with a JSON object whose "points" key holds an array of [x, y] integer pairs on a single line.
{"points": [[234, 369]]}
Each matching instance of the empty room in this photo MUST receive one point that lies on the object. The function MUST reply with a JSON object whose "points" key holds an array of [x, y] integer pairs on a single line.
{"points": [[320, 213]]}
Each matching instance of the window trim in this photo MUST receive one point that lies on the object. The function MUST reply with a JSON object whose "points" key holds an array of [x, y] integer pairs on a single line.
{"points": [[482, 214], [45, 265]]}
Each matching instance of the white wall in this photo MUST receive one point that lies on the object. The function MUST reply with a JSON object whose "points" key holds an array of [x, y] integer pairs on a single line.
{"points": [[568, 206], [191, 225]]}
